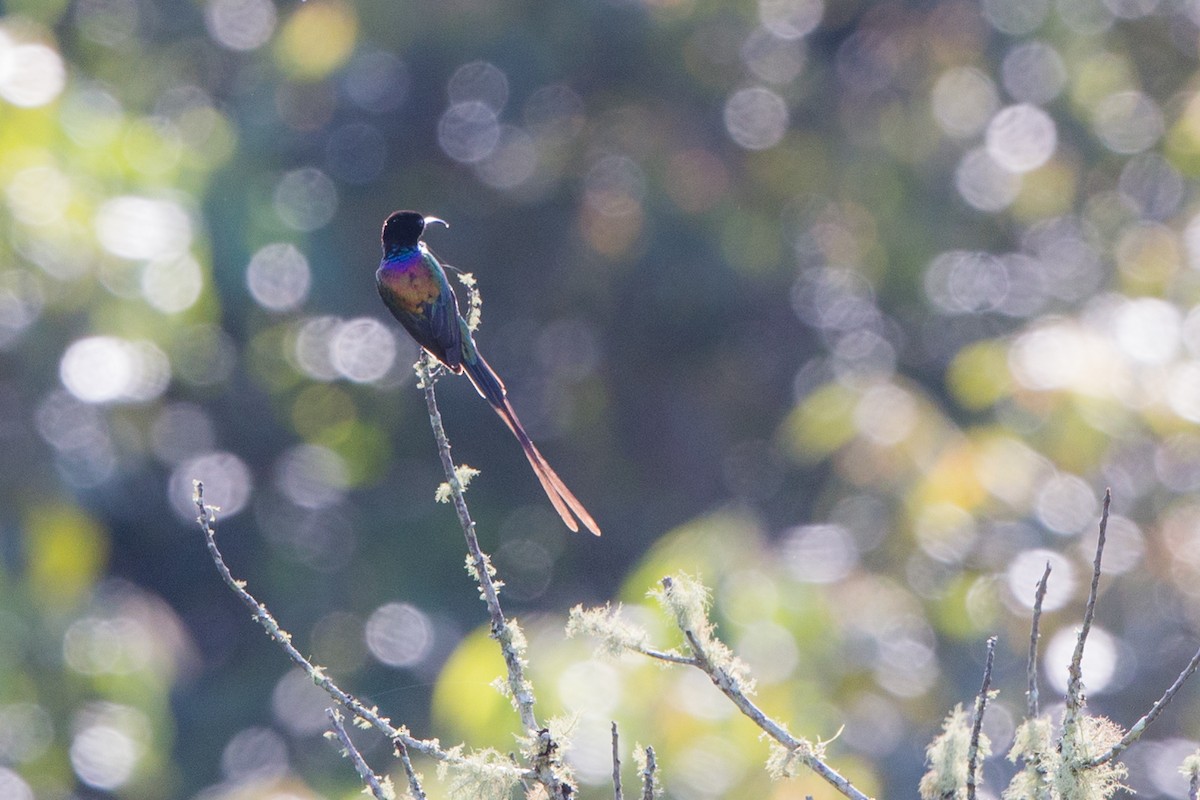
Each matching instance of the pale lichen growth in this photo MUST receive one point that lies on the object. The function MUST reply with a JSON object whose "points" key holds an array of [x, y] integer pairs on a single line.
{"points": [[474, 300], [483, 775], [946, 778], [385, 786], [491, 571], [688, 600], [558, 730], [463, 474], [785, 762], [1033, 744], [1084, 739], [514, 686], [514, 639], [614, 634], [1190, 769], [562, 728], [1058, 769], [641, 758], [419, 368]]}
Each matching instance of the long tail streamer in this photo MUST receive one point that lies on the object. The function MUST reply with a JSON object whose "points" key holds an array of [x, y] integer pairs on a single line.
{"points": [[488, 384]]}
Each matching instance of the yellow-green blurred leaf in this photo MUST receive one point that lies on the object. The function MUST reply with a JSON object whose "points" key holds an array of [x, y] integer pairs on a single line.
{"points": [[66, 550], [317, 39], [820, 423], [466, 703], [978, 376], [716, 544]]}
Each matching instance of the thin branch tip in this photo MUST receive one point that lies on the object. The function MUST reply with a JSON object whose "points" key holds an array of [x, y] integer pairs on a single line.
{"points": [[977, 720], [1031, 665]]}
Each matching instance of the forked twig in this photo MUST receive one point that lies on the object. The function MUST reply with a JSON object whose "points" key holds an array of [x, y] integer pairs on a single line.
{"points": [[414, 782], [368, 776], [207, 520], [721, 678]]}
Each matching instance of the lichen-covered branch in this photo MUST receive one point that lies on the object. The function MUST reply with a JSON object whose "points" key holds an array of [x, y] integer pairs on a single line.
{"points": [[686, 600], [381, 788], [949, 774], [712, 657], [480, 564], [414, 780], [1142, 724], [207, 520], [1190, 769], [649, 765], [546, 765]]}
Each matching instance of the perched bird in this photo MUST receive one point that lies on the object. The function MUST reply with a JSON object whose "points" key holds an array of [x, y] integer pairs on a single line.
{"points": [[413, 286]]}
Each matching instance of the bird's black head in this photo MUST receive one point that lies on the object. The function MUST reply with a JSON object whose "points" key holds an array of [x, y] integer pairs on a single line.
{"points": [[402, 230]]}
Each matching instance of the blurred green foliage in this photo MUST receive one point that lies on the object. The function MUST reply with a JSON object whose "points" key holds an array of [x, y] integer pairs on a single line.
{"points": [[851, 308]]}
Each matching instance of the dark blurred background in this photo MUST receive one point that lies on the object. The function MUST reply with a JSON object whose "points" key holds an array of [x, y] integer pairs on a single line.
{"points": [[853, 309]]}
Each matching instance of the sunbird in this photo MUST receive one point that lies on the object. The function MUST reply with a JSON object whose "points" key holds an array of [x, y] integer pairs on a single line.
{"points": [[413, 285]]}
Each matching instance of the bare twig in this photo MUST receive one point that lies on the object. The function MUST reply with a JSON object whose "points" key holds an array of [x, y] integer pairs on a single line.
{"points": [[798, 748], [207, 520], [1140, 726], [648, 775], [1075, 698], [414, 781], [977, 719], [368, 776], [616, 755], [667, 656], [1031, 667], [504, 632]]}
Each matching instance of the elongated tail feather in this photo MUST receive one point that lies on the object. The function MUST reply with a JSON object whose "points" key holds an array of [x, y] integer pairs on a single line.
{"points": [[565, 503], [553, 485]]}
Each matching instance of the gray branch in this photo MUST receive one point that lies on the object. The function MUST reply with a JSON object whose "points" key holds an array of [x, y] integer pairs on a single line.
{"points": [[518, 685], [1031, 669], [414, 782], [1075, 698], [207, 520], [729, 687], [1140, 726], [648, 775], [977, 719], [616, 759], [368, 776]]}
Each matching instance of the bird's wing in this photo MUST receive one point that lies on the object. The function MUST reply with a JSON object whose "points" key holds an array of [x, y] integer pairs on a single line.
{"points": [[444, 319], [421, 299]]}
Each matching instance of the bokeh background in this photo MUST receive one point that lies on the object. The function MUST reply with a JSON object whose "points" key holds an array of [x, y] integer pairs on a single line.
{"points": [[851, 308]]}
